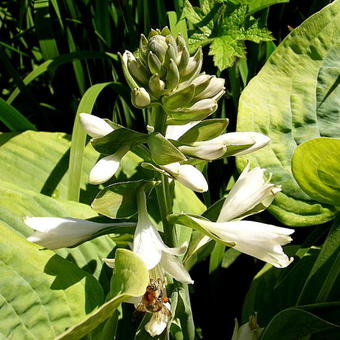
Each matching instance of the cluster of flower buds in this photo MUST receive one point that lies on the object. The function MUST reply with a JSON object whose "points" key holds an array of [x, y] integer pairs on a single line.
{"points": [[164, 73]]}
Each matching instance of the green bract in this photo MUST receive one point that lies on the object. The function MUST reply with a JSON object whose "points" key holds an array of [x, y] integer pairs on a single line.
{"points": [[164, 73]]}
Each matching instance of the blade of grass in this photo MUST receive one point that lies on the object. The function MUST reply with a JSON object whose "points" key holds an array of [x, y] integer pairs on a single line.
{"points": [[13, 119], [79, 136], [42, 20], [54, 63]]}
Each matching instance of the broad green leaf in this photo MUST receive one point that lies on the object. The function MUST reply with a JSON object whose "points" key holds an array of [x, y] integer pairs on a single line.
{"points": [[163, 151], [38, 161], [316, 168], [13, 119], [204, 130], [118, 200], [294, 99], [283, 287], [110, 143], [229, 257], [321, 283], [17, 203], [129, 280], [41, 294], [299, 322]]}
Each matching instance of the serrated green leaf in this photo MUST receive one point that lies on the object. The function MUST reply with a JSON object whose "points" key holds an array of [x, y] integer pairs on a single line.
{"points": [[129, 280], [40, 292], [316, 168], [284, 101]]}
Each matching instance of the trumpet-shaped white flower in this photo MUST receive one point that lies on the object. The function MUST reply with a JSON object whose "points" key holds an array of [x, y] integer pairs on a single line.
{"points": [[107, 166], [260, 240], [218, 146], [57, 232], [149, 246], [188, 175], [250, 194]]}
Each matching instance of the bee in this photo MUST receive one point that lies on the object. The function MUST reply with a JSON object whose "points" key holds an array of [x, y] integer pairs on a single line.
{"points": [[154, 299]]}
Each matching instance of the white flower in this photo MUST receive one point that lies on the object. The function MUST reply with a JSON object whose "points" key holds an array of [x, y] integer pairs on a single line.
{"points": [[260, 240], [57, 232], [158, 321], [107, 166], [248, 331], [149, 246], [216, 147], [176, 131], [94, 126], [250, 194], [188, 175]]}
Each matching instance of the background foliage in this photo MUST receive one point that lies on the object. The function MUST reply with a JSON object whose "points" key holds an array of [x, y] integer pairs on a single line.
{"points": [[59, 58]]}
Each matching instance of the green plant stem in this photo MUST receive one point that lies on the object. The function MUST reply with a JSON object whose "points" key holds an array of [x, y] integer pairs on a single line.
{"points": [[165, 200]]}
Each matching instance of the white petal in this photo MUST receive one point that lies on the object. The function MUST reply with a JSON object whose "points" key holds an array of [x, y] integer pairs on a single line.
{"points": [[147, 244], [206, 150], [175, 268], [158, 322], [260, 240], [107, 166], [250, 190], [176, 131], [259, 139], [94, 126], [55, 232]]}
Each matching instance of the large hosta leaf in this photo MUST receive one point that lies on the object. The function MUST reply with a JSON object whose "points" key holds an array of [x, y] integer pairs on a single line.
{"points": [[296, 97], [16, 203], [39, 161], [41, 294]]}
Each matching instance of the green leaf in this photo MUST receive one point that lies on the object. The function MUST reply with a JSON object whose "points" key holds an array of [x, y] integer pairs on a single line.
{"points": [[258, 5], [13, 119], [110, 143], [225, 26], [285, 101], [229, 257], [297, 323], [163, 151], [38, 161], [118, 200], [205, 130], [129, 280], [316, 168], [41, 293], [320, 285]]}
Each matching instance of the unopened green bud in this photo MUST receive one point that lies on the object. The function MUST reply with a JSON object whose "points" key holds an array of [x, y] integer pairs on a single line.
{"points": [[156, 86], [138, 71], [154, 63], [184, 59], [203, 106], [171, 53], [165, 31], [172, 76], [194, 65], [143, 46], [140, 98], [157, 44]]}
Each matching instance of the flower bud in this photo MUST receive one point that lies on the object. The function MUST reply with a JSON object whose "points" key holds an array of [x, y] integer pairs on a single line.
{"points": [[94, 126], [140, 98], [156, 86], [158, 45], [172, 76], [210, 89], [138, 71], [154, 64], [194, 65]]}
